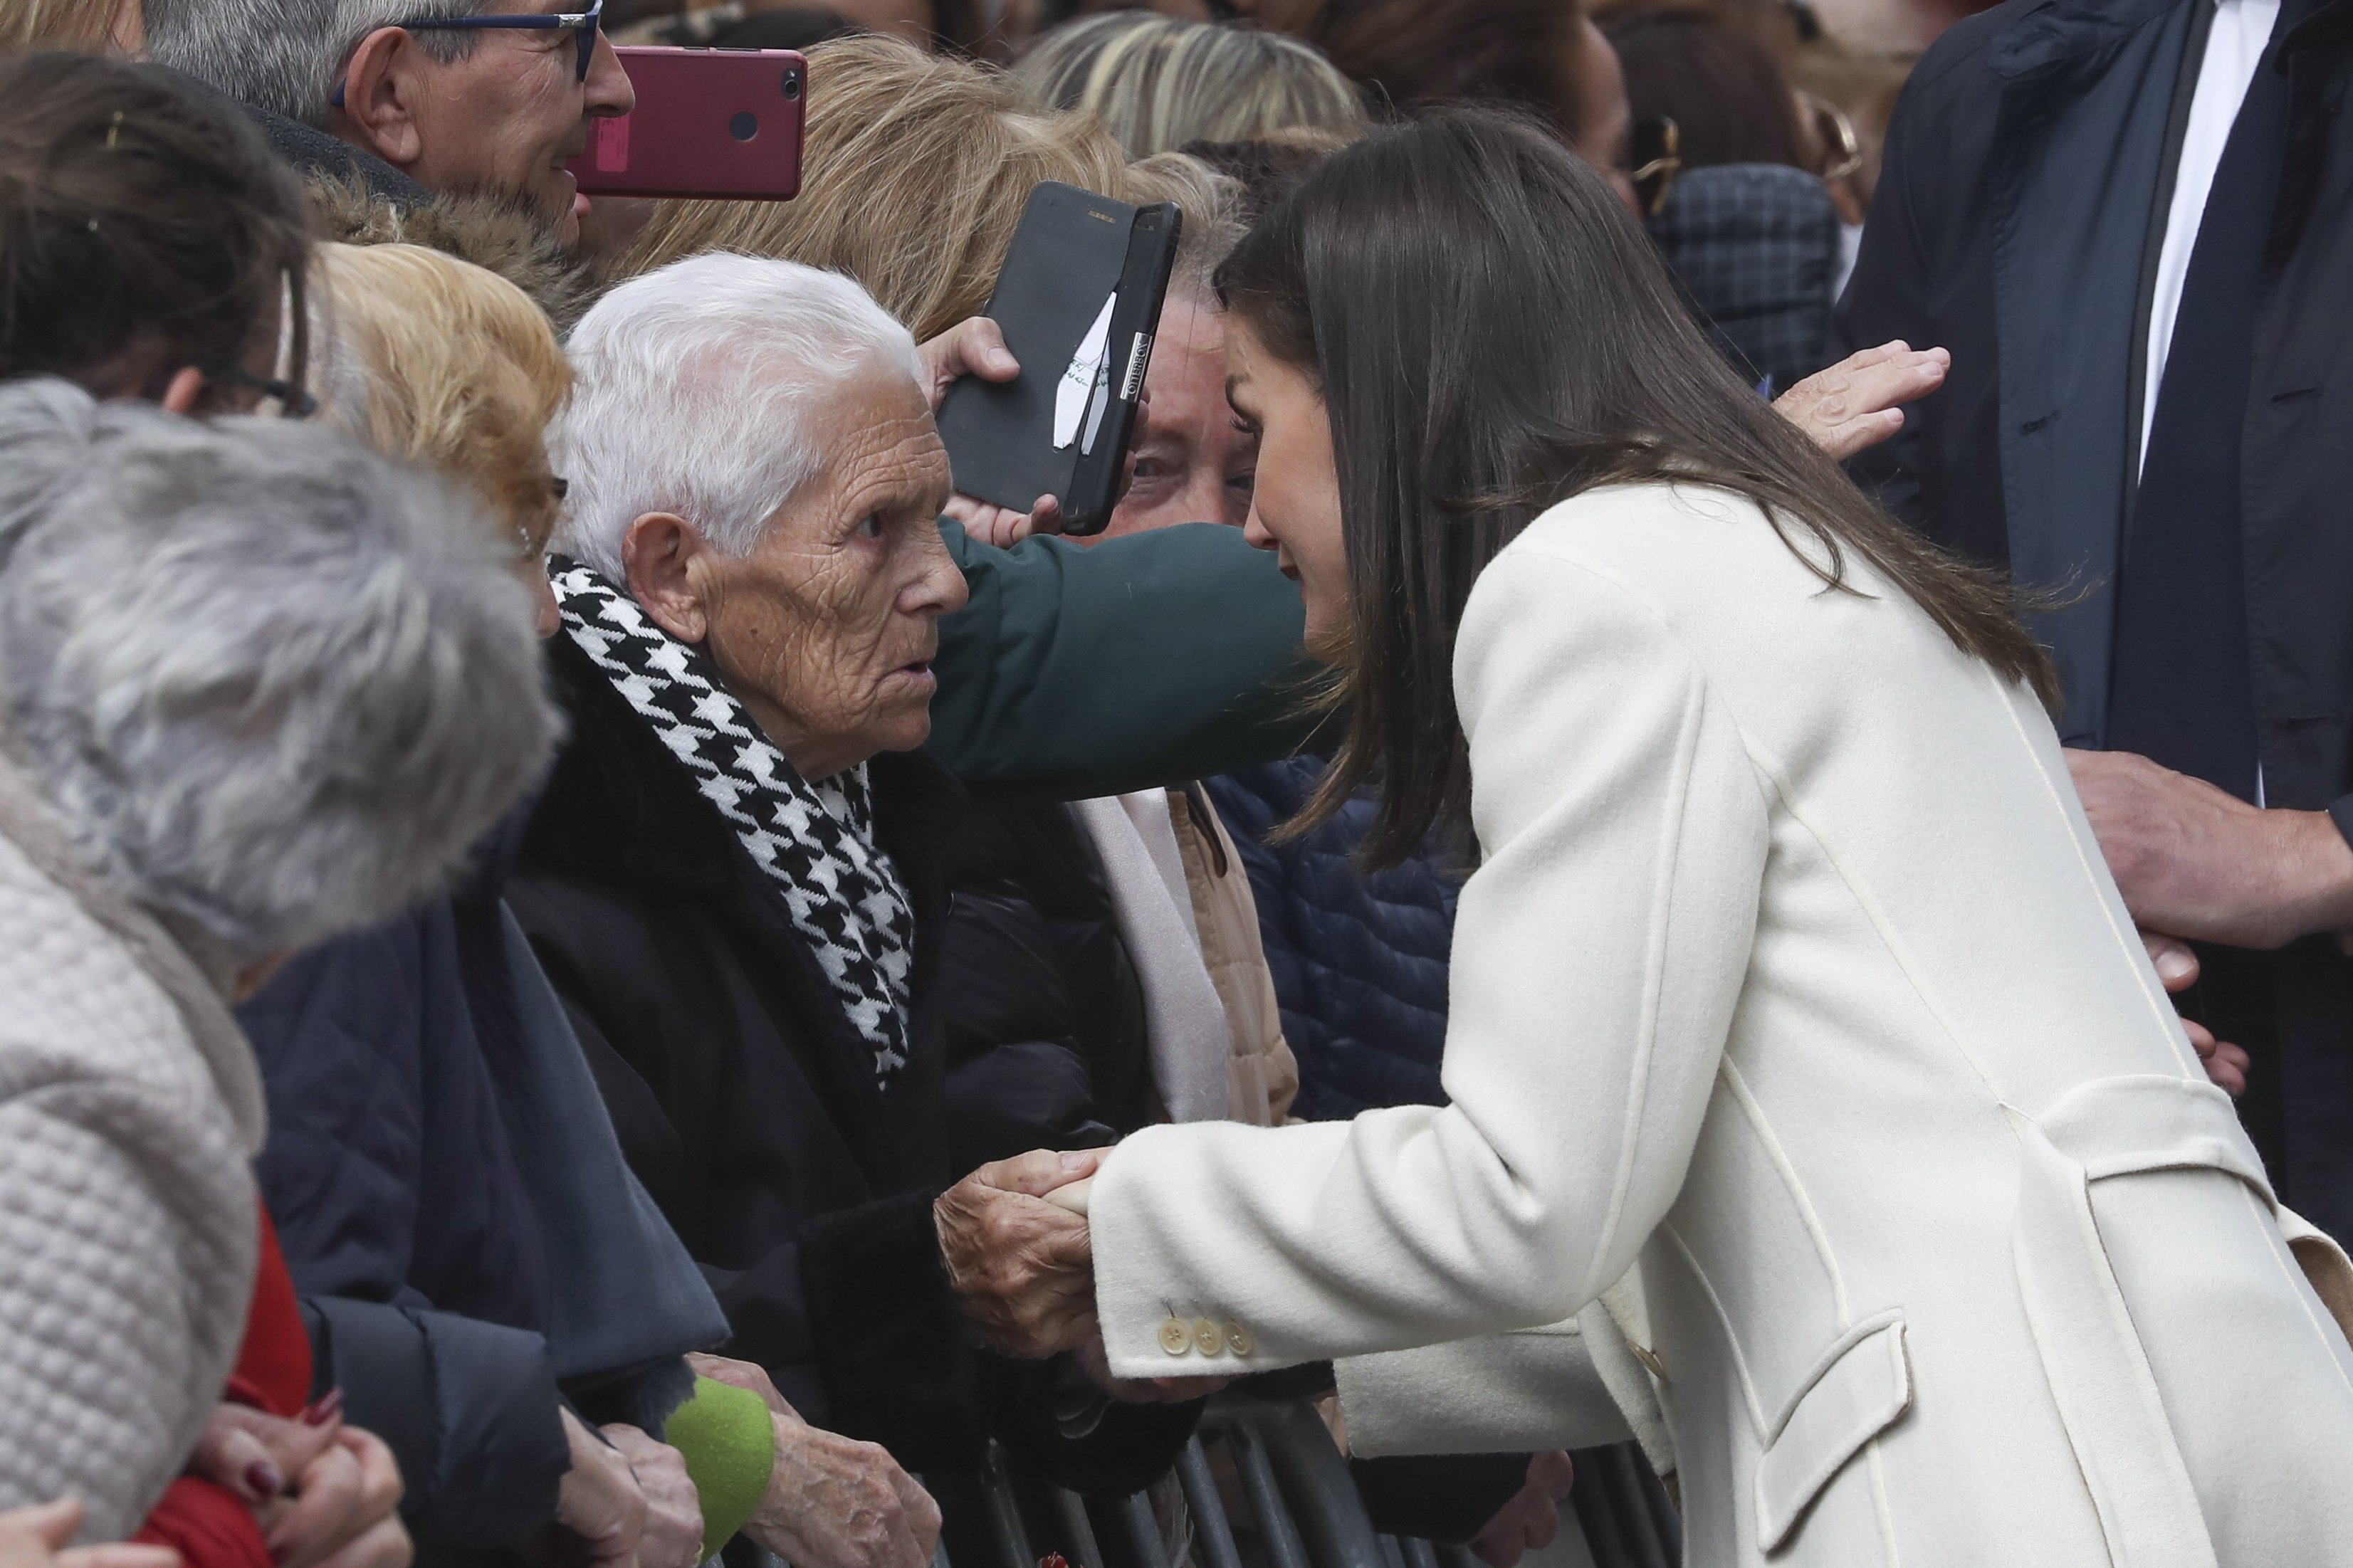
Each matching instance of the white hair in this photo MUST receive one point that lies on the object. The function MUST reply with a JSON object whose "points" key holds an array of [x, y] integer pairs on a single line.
{"points": [[287, 56], [696, 390], [271, 682]]}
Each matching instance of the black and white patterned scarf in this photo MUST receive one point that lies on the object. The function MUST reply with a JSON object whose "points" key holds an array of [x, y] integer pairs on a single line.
{"points": [[816, 840]]}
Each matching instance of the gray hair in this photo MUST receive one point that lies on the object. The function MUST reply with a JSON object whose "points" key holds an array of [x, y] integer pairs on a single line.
{"points": [[286, 56], [696, 390], [1211, 204], [272, 683]]}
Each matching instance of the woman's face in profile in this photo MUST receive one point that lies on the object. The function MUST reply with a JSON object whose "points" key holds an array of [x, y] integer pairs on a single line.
{"points": [[1295, 505]]}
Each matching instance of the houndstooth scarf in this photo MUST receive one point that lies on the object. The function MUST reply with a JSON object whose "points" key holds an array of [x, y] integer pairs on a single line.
{"points": [[815, 841]]}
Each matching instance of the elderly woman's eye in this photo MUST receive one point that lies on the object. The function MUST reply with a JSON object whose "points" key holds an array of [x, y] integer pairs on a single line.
{"points": [[870, 526]]}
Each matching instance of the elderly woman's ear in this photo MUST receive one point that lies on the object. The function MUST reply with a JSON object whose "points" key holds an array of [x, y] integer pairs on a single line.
{"points": [[657, 553]]}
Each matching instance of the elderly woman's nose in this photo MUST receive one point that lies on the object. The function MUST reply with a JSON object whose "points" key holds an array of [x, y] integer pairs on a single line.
{"points": [[941, 589]]}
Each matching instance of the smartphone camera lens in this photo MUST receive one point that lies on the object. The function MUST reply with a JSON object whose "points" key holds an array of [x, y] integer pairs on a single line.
{"points": [[792, 86], [744, 126]]}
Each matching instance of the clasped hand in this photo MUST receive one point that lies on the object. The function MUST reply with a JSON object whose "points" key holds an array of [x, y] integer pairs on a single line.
{"points": [[1022, 1265]]}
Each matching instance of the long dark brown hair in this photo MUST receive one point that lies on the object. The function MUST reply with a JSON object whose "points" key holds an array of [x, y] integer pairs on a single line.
{"points": [[1491, 335], [143, 226]]}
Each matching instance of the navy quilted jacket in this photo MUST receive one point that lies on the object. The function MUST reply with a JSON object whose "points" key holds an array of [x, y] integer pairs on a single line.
{"points": [[1359, 962]]}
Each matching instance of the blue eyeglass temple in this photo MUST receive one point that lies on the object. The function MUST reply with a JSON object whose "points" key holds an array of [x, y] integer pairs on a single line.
{"points": [[585, 21]]}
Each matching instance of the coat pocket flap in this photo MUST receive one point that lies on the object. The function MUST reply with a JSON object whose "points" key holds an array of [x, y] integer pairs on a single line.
{"points": [[1865, 1383]]}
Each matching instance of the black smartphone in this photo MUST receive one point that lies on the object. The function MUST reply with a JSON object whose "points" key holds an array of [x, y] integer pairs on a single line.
{"points": [[1078, 299]]}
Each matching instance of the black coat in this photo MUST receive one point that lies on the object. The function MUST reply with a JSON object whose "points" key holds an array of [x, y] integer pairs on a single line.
{"points": [[1041, 1009], [2011, 225], [747, 1102]]}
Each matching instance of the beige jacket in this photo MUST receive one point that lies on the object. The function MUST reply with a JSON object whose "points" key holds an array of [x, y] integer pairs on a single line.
{"points": [[131, 1108], [1262, 1074], [1793, 982]]}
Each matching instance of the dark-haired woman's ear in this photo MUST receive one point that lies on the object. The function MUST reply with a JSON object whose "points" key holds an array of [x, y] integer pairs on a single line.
{"points": [[184, 391]]}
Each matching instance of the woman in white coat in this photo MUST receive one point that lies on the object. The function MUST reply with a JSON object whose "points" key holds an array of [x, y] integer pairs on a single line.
{"points": [[1815, 1109]]}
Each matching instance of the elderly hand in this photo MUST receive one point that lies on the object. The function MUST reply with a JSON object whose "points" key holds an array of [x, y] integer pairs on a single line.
{"points": [[831, 1502], [2197, 863], [2177, 970], [976, 347], [341, 1509], [1021, 1267], [1532, 1518], [600, 1501], [33, 1537], [673, 1534], [326, 1495], [1857, 403]]}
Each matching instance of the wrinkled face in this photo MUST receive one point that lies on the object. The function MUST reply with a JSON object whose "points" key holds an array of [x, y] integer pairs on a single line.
{"points": [[507, 116], [1195, 463], [1295, 504], [826, 630]]}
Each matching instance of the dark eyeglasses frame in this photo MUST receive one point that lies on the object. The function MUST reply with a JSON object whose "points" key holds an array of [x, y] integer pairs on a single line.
{"points": [[294, 402], [1661, 132], [585, 26]]}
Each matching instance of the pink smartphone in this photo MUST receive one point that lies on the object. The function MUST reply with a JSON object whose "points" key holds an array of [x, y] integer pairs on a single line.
{"points": [[708, 123]]}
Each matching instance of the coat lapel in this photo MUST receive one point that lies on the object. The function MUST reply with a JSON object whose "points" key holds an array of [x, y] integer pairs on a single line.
{"points": [[2078, 154]]}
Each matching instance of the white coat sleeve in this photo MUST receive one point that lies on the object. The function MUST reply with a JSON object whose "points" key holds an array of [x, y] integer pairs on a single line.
{"points": [[1599, 955]]}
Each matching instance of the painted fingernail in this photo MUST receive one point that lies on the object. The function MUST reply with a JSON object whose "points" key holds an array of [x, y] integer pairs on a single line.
{"points": [[325, 1408], [262, 1478]]}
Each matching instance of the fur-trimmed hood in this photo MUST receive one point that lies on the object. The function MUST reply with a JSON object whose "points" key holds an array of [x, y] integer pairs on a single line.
{"points": [[499, 234]]}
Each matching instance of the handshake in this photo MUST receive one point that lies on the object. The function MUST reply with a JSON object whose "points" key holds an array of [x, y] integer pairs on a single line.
{"points": [[1020, 1261]]}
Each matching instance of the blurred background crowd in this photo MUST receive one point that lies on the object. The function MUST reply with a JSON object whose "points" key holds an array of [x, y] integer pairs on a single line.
{"points": [[600, 919]]}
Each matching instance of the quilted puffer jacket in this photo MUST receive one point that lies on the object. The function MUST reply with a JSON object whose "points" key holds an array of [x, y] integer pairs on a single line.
{"points": [[1359, 963], [129, 1108]]}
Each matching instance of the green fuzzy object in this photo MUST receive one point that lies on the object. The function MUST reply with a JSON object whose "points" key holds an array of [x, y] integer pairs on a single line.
{"points": [[730, 1445]]}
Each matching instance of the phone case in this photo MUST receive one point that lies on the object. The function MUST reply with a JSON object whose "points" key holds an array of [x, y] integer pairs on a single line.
{"points": [[1078, 299], [708, 123]]}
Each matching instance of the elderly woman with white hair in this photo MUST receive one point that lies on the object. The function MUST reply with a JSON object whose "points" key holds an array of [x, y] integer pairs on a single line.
{"points": [[256, 687], [733, 876]]}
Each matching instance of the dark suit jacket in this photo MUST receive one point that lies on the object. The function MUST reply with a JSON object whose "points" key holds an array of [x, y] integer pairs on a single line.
{"points": [[2027, 161]]}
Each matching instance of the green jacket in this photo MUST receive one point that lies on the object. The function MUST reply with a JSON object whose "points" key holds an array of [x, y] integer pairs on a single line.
{"points": [[1140, 661]]}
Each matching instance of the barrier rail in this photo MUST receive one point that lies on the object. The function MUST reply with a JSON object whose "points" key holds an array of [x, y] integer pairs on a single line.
{"points": [[1299, 1506]]}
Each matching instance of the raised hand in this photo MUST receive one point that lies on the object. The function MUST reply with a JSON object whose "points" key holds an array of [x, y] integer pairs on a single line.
{"points": [[1858, 403]]}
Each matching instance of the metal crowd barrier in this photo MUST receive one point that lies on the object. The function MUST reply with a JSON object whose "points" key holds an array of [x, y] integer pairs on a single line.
{"points": [[1302, 1507]]}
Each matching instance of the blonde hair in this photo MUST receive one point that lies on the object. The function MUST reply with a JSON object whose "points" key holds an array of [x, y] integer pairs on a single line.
{"points": [[58, 24], [1159, 82], [914, 170], [442, 364]]}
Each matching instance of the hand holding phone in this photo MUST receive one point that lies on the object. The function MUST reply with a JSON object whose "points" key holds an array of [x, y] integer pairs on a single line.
{"points": [[1078, 300]]}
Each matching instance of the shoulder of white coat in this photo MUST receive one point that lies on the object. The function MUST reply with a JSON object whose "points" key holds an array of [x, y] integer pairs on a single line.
{"points": [[1676, 546]]}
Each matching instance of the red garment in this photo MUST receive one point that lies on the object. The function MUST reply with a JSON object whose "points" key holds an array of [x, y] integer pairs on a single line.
{"points": [[207, 1524]]}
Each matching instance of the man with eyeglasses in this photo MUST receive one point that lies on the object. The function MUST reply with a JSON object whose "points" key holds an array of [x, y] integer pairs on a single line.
{"points": [[412, 97]]}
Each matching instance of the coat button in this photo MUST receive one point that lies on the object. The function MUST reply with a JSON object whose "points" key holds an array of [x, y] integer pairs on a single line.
{"points": [[1650, 1360], [1206, 1339], [1176, 1337], [1239, 1340]]}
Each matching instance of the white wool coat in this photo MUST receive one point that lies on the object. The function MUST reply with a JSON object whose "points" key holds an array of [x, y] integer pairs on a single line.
{"points": [[130, 1108], [1794, 1007]]}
